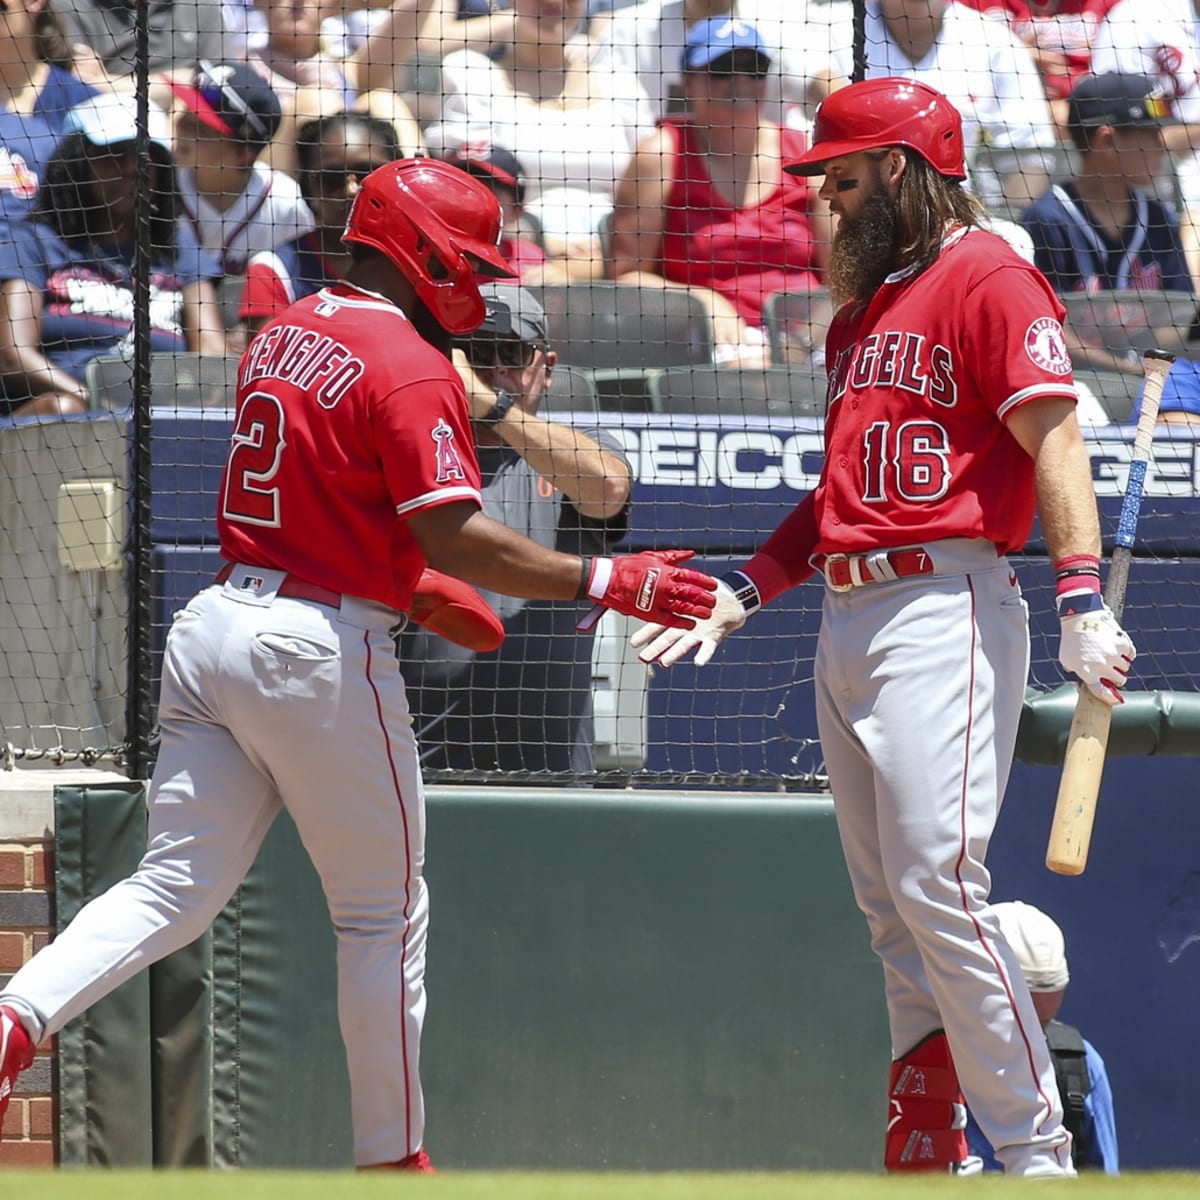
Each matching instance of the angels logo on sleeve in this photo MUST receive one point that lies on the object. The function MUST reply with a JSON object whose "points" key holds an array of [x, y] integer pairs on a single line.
{"points": [[449, 466], [1046, 346]]}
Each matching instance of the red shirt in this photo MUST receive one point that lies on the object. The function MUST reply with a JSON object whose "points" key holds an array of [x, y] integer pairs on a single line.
{"points": [[921, 381], [743, 253], [347, 421]]}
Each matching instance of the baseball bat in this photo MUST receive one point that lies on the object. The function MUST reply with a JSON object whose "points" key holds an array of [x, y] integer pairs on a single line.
{"points": [[1087, 742]]}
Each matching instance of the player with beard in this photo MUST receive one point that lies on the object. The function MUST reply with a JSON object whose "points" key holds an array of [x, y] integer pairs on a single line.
{"points": [[950, 419]]}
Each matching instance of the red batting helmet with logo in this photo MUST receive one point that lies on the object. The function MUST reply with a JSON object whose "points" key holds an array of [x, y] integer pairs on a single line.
{"points": [[886, 112], [440, 227]]}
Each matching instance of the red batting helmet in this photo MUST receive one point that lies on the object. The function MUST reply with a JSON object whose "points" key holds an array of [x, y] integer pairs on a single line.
{"points": [[886, 112], [428, 217]]}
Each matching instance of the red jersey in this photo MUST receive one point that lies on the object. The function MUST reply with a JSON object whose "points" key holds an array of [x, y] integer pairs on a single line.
{"points": [[743, 253], [347, 421], [921, 381]]}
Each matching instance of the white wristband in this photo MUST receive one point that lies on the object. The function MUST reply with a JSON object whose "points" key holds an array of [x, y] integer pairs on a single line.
{"points": [[602, 569]]}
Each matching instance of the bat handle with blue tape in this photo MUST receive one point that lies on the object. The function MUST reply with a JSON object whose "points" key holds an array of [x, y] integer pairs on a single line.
{"points": [[1157, 366]]}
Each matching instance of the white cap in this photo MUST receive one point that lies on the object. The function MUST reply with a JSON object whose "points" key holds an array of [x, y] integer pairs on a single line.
{"points": [[1038, 944], [109, 118]]}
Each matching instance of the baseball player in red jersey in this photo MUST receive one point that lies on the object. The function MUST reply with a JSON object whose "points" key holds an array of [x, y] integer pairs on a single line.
{"points": [[950, 417], [351, 468]]}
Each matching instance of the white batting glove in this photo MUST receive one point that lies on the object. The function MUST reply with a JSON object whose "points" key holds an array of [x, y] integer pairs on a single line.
{"points": [[1093, 645], [737, 598]]}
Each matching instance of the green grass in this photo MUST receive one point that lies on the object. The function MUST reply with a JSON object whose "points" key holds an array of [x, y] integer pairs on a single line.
{"points": [[468, 1185]]}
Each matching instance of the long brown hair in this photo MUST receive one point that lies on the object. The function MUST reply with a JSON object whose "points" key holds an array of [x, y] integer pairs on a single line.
{"points": [[929, 204]]}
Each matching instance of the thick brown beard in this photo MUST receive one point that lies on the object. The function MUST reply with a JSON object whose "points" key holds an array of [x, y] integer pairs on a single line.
{"points": [[865, 251]]}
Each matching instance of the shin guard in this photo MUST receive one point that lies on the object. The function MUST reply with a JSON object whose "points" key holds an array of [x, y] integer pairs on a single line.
{"points": [[927, 1114]]}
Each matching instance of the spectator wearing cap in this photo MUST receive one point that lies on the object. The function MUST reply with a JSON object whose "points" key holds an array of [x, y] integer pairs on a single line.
{"points": [[573, 127], [336, 153], [527, 705], [1104, 228], [1038, 946], [645, 39], [236, 204], [1161, 39], [67, 274], [705, 203], [499, 169]]}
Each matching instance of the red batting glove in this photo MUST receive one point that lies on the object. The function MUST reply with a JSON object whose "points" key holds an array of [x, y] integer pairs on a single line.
{"points": [[456, 611], [649, 585]]}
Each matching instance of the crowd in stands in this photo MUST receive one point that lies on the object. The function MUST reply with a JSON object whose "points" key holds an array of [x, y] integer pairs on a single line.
{"points": [[640, 143]]}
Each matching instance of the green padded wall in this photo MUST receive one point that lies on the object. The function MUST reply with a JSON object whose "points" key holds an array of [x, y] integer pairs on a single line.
{"points": [[616, 979], [104, 1061]]}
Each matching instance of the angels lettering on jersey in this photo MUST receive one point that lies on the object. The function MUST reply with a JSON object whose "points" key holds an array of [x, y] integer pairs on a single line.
{"points": [[896, 358], [900, 359]]}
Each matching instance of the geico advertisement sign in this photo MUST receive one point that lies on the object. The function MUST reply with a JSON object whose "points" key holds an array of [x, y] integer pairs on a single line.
{"points": [[761, 460]]}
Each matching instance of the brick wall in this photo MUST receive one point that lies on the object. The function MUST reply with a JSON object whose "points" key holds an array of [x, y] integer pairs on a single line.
{"points": [[26, 922]]}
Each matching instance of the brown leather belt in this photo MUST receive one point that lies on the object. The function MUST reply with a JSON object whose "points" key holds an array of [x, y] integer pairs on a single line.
{"points": [[294, 588], [845, 571]]}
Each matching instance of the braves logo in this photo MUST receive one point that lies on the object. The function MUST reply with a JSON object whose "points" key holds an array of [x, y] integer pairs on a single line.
{"points": [[1046, 346], [16, 176], [449, 465]]}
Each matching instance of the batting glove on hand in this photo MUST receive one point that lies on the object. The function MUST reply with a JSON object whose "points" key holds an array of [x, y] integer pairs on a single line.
{"points": [[456, 611], [650, 585], [1094, 646], [736, 599]]}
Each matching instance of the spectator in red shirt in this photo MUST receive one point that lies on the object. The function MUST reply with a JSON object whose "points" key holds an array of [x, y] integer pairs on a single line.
{"points": [[705, 203]]}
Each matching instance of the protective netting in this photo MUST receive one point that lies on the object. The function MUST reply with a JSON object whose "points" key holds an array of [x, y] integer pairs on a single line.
{"points": [[156, 219]]}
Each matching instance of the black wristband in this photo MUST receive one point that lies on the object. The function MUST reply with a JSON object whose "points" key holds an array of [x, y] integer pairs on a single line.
{"points": [[744, 589], [585, 577], [499, 410]]}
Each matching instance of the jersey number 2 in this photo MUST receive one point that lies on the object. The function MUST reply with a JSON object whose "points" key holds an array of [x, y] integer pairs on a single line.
{"points": [[910, 462], [258, 444]]}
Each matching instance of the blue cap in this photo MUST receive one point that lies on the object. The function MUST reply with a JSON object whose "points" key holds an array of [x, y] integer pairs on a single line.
{"points": [[718, 36]]}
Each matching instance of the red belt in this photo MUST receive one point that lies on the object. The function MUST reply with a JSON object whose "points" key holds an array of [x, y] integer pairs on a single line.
{"points": [[293, 587], [845, 571]]}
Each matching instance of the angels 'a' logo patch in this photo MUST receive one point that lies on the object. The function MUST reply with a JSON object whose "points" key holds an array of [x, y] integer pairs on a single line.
{"points": [[1046, 346], [449, 467]]}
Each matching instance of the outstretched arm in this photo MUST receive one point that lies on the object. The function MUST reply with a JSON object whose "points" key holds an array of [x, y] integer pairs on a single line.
{"points": [[780, 564], [459, 539]]}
